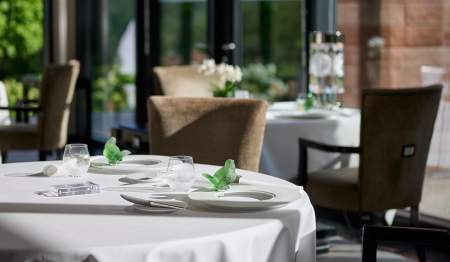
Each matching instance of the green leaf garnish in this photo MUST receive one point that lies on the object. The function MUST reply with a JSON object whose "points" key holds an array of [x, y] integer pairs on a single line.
{"points": [[309, 103], [223, 177], [112, 152]]}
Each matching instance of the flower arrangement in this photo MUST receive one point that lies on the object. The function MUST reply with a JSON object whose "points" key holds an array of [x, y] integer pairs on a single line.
{"points": [[226, 77]]}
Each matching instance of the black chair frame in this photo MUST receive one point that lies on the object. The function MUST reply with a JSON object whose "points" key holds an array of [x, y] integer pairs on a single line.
{"points": [[373, 235]]}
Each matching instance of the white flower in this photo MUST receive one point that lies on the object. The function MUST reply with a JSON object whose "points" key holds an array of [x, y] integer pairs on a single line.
{"points": [[208, 67], [222, 72], [237, 74]]}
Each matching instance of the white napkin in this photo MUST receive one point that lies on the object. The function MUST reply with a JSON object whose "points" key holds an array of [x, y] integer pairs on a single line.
{"points": [[53, 170]]}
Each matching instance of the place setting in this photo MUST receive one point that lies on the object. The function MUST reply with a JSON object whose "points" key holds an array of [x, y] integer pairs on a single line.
{"points": [[162, 184], [224, 191]]}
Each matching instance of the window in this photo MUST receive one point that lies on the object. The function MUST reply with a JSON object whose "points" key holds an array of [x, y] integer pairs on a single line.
{"points": [[272, 41], [21, 48], [113, 59], [183, 32]]}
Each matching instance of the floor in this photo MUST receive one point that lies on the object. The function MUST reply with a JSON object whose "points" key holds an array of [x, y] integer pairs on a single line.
{"points": [[436, 195]]}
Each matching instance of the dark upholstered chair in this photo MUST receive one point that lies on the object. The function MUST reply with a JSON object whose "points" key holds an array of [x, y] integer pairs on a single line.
{"points": [[50, 133], [211, 130], [182, 81], [396, 129], [421, 237]]}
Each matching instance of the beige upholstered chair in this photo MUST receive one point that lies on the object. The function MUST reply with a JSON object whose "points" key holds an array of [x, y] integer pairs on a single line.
{"points": [[209, 129], [50, 133], [396, 129], [182, 81]]}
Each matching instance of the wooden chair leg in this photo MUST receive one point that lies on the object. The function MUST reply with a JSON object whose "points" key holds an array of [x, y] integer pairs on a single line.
{"points": [[42, 155], [414, 218]]}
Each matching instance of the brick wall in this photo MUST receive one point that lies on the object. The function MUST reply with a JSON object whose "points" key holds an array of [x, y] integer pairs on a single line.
{"points": [[415, 33]]}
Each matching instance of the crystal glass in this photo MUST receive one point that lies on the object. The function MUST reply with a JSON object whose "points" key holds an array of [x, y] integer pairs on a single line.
{"points": [[180, 173], [76, 159]]}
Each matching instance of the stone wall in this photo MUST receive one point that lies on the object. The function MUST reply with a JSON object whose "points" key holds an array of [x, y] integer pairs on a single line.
{"points": [[415, 33]]}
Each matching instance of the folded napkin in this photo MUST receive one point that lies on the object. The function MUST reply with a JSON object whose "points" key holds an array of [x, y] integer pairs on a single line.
{"points": [[53, 170]]}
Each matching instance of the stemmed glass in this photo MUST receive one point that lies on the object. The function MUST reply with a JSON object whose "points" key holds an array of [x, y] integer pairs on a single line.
{"points": [[180, 173], [76, 159]]}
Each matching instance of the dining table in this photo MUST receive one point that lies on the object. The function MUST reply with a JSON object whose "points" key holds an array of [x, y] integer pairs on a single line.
{"points": [[286, 123], [105, 227]]}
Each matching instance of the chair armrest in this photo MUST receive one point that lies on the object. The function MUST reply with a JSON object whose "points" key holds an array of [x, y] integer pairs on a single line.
{"points": [[328, 148], [304, 144]]}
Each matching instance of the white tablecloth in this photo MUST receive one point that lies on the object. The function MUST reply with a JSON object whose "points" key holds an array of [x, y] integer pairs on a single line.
{"points": [[104, 227], [280, 156]]}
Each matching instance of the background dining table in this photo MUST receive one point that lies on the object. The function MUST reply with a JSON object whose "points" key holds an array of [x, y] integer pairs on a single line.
{"points": [[104, 227], [284, 126]]}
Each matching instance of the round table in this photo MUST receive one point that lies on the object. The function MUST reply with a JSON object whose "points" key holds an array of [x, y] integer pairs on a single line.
{"points": [[103, 227], [280, 154]]}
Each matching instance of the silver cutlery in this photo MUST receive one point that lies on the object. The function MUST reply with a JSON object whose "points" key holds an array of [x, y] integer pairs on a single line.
{"points": [[149, 203]]}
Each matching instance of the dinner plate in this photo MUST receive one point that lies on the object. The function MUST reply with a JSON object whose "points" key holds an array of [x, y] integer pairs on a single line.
{"points": [[245, 197], [149, 165], [304, 115]]}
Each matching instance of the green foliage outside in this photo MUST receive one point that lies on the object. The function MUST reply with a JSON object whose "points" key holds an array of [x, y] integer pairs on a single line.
{"points": [[272, 35], [14, 89], [109, 93], [262, 81], [21, 37], [21, 42]]}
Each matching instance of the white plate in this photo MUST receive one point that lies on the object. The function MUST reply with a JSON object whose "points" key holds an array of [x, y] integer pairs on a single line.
{"points": [[305, 115], [149, 165], [246, 197]]}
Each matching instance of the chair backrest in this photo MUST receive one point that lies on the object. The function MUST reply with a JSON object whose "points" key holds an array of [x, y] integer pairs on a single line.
{"points": [[57, 89], [396, 130], [211, 130], [182, 81]]}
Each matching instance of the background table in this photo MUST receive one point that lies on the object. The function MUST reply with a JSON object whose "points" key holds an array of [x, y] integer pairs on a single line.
{"points": [[102, 225], [279, 156]]}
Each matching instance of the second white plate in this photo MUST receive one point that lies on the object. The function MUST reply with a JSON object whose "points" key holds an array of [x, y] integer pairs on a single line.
{"points": [[246, 197], [150, 165]]}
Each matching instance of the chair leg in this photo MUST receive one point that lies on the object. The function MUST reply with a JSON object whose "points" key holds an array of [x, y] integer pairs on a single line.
{"points": [[414, 216], [414, 219], [59, 153], [4, 156], [42, 155]]}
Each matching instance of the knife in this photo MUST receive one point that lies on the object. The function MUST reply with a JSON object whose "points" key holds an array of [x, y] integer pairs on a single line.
{"points": [[149, 203]]}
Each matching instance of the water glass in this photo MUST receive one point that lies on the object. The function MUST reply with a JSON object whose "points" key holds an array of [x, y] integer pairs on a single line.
{"points": [[180, 173], [76, 159]]}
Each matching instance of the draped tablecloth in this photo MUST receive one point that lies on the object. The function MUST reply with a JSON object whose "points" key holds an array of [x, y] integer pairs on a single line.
{"points": [[280, 152], [103, 227]]}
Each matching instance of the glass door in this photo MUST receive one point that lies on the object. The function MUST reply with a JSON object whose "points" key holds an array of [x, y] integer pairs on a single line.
{"points": [[112, 57]]}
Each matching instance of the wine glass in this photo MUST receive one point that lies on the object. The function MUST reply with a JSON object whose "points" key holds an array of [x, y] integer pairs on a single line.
{"points": [[180, 173], [76, 159]]}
